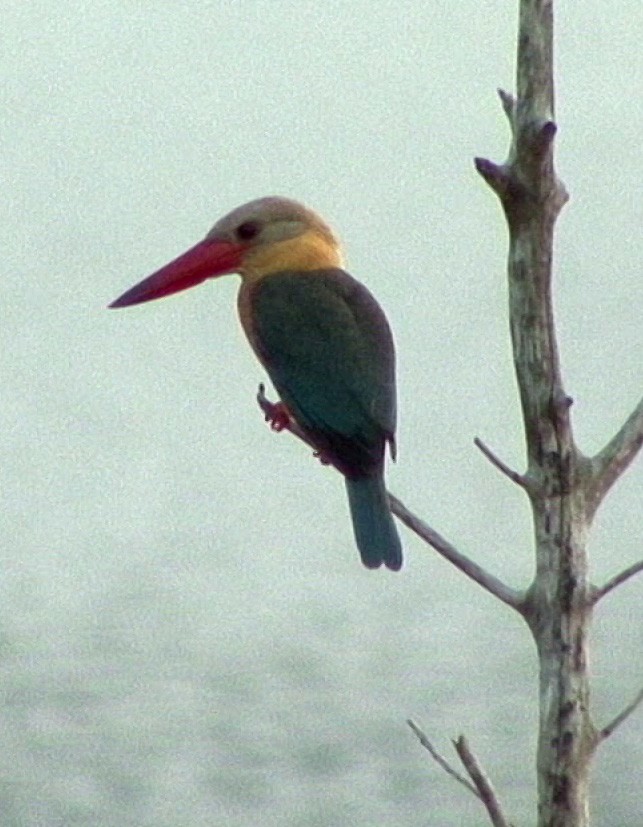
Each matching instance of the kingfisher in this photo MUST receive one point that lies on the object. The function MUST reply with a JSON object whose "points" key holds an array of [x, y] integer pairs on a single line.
{"points": [[322, 338]]}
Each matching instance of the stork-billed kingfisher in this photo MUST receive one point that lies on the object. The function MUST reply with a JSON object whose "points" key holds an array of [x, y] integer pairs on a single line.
{"points": [[322, 337]]}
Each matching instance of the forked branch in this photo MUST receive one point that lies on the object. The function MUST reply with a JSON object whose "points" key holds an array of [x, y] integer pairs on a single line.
{"points": [[441, 760]]}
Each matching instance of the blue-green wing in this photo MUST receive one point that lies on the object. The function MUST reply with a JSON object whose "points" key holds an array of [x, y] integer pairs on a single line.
{"points": [[329, 351]]}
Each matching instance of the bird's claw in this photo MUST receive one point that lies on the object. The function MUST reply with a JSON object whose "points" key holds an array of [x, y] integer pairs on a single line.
{"points": [[278, 417]]}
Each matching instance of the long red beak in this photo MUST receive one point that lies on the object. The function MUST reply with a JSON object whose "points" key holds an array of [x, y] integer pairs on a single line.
{"points": [[206, 259]]}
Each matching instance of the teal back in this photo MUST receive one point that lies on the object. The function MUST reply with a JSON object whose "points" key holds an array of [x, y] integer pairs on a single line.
{"points": [[329, 351]]}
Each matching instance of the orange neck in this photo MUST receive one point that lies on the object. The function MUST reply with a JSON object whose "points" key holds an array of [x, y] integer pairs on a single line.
{"points": [[309, 251]]}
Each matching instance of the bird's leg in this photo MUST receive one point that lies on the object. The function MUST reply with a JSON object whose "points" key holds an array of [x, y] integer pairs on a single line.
{"points": [[280, 418]]}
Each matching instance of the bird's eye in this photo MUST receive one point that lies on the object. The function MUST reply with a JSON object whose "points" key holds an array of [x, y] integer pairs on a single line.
{"points": [[248, 230]]}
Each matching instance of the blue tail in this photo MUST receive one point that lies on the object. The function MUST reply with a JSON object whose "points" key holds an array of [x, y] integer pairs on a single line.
{"points": [[375, 533]]}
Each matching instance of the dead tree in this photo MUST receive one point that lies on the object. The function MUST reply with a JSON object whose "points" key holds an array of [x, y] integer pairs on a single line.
{"points": [[564, 487]]}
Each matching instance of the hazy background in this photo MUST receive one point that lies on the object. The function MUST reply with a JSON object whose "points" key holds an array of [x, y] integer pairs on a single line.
{"points": [[187, 635]]}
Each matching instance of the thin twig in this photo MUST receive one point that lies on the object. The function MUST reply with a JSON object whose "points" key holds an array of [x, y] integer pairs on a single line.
{"points": [[483, 785], [441, 760], [615, 581], [618, 720], [512, 597], [514, 476], [615, 457]]}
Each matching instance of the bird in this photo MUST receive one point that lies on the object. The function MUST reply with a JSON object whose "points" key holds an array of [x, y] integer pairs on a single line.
{"points": [[322, 338]]}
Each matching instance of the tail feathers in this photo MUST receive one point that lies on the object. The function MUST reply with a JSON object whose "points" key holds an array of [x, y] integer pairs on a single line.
{"points": [[375, 533]]}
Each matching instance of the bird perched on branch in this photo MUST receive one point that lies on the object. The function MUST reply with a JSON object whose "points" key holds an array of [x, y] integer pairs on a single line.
{"points": [[322, 337]]}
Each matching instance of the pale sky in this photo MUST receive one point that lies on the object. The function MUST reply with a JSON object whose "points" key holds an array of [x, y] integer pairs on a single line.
{"points": [[133, 450]]}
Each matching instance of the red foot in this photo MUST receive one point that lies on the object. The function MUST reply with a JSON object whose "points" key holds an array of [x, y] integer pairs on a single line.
{"points": [[278, 416]]}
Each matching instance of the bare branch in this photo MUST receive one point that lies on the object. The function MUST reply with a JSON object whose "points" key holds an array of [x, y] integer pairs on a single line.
{"points": [[615, 581], [495, 175], [512, 597], [483, 785], [441, 760], [615, 457], [618, 720], [514, 476], [508, 104]]}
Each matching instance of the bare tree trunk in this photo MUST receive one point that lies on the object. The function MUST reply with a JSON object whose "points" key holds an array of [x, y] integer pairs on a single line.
{"points": [[557, 606], [559, 479]]}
